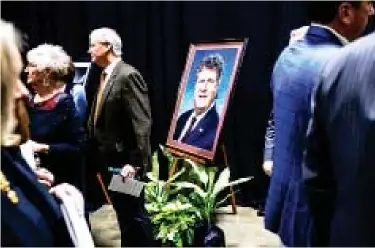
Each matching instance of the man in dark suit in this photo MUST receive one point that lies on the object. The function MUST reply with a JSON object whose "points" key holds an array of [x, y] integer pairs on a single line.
{"points": [[197, 127], [340, 160], [294, 78], [119, 131]]}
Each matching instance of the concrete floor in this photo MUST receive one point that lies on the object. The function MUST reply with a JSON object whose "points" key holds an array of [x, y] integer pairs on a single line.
{"points": [[245, 229]]}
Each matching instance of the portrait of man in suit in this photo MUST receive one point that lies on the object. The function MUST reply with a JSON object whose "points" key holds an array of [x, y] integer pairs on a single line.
{"points": [[203, 97], [197, 126]]}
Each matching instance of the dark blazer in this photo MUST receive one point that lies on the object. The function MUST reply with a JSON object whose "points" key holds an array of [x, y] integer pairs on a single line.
{"points": [[295, 75], [340, 160], [204, 133], [123, 127], [36, 220], [121, 136]]}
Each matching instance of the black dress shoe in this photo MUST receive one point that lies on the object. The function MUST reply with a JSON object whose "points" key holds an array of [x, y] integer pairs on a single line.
{"points": [[261, 210]]}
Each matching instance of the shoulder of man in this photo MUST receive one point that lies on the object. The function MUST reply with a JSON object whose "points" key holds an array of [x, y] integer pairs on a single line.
{"points": [[184, 116], [127, 69], [362, 48], [360, 51]]}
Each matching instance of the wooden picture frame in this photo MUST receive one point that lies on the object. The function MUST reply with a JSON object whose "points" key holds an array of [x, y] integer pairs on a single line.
{"points": [[203, 97]]}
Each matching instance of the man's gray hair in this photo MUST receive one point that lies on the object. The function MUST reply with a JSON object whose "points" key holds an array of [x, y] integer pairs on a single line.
{"points": [[109, 36]]}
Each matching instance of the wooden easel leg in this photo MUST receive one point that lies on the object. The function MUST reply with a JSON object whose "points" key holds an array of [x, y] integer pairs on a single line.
{"points": [[173, 168], [232, 195], [106, 195], [233, 200]]}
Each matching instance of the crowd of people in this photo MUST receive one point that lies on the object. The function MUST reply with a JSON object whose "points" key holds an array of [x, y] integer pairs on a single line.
{"points": [[318, 142], [319, 149], [43, 119]]}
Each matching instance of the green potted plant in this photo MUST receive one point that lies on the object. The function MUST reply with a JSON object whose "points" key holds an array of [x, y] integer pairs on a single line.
{"points": [[182, 208], [205, 188], [173, 216]]}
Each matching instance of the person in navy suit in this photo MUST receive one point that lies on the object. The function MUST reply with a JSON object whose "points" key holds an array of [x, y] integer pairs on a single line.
{"points": [[197, 127], [339, 169], [30, 216], [294, 79]]}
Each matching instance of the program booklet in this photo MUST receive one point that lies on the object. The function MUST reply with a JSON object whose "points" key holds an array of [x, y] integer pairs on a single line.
{"points": [[129, 186]]}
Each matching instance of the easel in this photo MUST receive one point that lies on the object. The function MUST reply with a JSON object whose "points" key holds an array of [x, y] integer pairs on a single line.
{"points": [[178, 153]]}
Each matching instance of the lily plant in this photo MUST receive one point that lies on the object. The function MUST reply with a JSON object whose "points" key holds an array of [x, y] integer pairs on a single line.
{"points": [[204, 193]]}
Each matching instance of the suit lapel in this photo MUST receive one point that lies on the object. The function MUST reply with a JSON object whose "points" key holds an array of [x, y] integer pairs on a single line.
{"points": [[107, 88], [91, 116], [204, 124]]}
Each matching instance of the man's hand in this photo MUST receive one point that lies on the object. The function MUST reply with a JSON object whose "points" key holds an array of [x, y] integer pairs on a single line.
{"points": [[38, 147], [44, 176], [267, 167], [128, 171]]}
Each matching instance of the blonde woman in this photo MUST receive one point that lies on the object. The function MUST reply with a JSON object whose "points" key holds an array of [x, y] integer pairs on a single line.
{"points": [[29, 214], [55, 128]]}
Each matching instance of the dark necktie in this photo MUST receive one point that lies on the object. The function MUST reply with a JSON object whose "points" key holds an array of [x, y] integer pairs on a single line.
{"points": [[188, 131]]}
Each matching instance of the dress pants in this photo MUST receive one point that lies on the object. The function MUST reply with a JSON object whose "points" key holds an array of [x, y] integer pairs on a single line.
{"points": [[135, 225]]}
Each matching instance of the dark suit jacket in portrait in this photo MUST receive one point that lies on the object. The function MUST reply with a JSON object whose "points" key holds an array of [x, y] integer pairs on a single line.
{"points": [[295, 75], [36, 220], [340, 164], [204, 133]]}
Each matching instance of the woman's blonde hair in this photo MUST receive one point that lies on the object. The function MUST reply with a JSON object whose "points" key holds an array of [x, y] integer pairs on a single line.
{"points": [[11, 66], [50, 57]]}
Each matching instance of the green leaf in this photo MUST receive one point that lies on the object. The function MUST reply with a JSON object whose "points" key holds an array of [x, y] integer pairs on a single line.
{"points": [[198, 170], [188, 185], [221, 182], [167, 154], [239, 181], [211, 177], [175, 176], [155, 165], [151, 176], [224, 199]]}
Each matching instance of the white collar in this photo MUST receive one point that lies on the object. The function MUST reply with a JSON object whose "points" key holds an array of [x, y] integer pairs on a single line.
{"points": [[109, 69], [200, 116], [341, 38]]}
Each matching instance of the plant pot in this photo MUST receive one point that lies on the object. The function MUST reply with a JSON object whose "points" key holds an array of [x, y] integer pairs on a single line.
{"points": [[159, 243], [208, 235]]}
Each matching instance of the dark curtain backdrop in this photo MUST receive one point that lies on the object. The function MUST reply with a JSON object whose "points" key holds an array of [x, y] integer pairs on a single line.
{"points": [[156, 37]]}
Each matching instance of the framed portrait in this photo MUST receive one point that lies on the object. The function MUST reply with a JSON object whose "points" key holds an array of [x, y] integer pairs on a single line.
{"points": [[203, 96]]}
